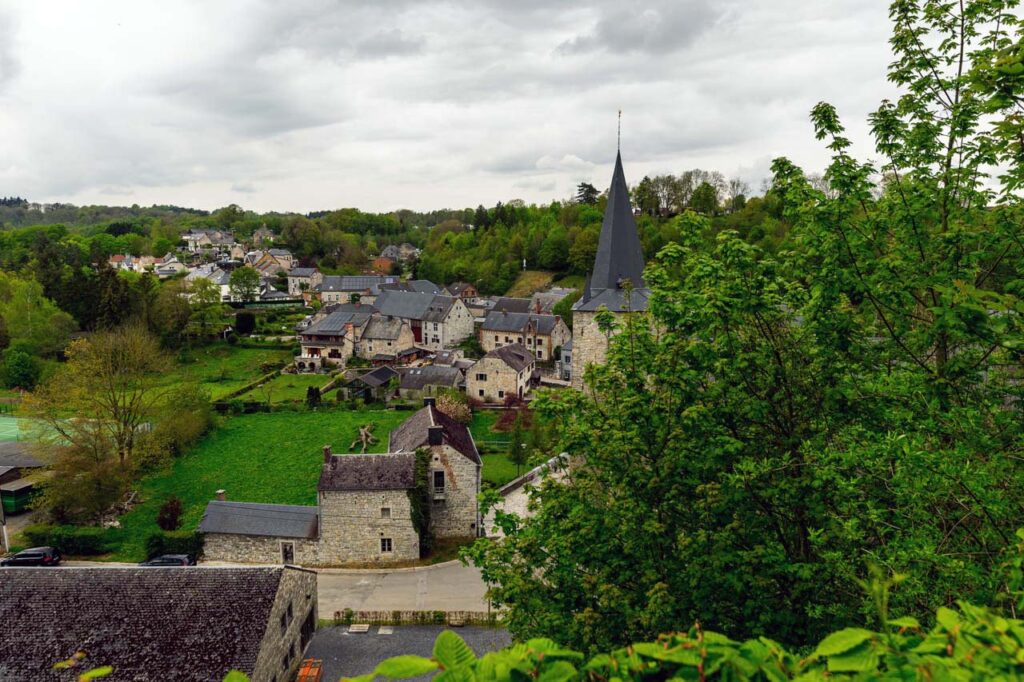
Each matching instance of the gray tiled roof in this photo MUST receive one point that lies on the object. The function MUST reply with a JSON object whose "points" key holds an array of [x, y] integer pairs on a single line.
{"points": [[375, 378], [302, 272], [414, 432], [147, 623], [414, 306], [514, 355], [14, 454], [615, 300], [369, 472], [416, 378], [383, 327], [518, 322], [619, 254], [249, 518], [353, 282], [512, 305], [337, 322]]}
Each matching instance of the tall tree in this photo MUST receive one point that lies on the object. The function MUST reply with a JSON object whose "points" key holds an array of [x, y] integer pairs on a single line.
{"points": [[245, 284], [586, 193]]}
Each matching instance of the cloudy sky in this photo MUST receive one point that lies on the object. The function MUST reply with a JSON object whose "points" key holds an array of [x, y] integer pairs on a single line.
{"points": [[317, 104]]}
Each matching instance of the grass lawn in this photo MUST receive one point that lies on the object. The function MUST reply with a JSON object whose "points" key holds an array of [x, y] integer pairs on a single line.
{"points": [[286, 387], [267, 457], [222, 368], [570, 282], [530, 281], [499, 470], [481, 428]]}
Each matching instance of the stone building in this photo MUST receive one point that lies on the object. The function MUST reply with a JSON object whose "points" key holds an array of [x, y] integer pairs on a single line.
{"points": [[428, 380], [302, 281], [331, 340], [616, 283], [157, 623], [437, 321], [365, 504], [342, 288], [541, 334], [503, 372], [384, 338]]}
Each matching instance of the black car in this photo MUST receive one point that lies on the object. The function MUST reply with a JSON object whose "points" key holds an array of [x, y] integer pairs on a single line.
{"points": [[37, 556], [170, 560]]}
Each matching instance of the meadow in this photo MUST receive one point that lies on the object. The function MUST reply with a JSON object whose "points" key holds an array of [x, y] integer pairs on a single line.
{"points": [[221, 368]]}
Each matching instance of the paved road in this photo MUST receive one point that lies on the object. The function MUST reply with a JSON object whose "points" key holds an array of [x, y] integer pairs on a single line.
{"points": [[445, 587]]}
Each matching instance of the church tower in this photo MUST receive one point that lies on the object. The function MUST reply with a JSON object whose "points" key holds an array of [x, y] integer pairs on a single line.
{"points": [[615, 283]]}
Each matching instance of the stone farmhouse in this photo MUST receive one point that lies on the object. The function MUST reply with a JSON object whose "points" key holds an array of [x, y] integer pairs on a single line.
{"points": [[331, 340], [464, 290], [437, 321], [384, 338], [503, 372], [365, 503], [616, 282], [340, 288], [302, 281], [418, 382], [157, 623], [541, 334]]}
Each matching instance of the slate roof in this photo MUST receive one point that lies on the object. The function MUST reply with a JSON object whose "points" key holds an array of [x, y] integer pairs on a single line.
{"points": [[336, 323], [148, 623], [248, 518], [353, 282], [416, 378], [514, 355], [619, 254], [421, 286], [447, 357], [302, 272], [517, 322], [369, 472], [615, 300], [375, 378], [458, 288], [413, 433], [512, 305], [14, 454], [414, 306], [383, 327]]}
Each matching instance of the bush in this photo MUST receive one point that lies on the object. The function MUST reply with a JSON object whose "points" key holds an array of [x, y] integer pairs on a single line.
{"points": [[175, 542], [169, 516], [245, 322], [20, 370], [232, 339], [72, 540]]}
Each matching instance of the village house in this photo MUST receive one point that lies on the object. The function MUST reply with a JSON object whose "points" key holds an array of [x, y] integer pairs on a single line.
{"points": [[198, 240], [157, 623], [502, 373], [215, 274], [383, 265], [262, 236], [169, 266], [541, 334], [437, 321], [341, 288], [301, 281], [384, 337], [404, 252], [274, 261], [419, 382], [364, 511], [565, 362], [372, 386], [464, 290], [420, 286], [616, 282], [331, 341]]}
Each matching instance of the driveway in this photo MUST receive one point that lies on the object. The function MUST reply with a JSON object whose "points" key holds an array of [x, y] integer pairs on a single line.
{"points": [[357, 654], [445, 587]]}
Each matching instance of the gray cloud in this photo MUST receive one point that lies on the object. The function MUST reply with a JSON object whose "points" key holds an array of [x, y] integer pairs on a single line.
{"points": [[655, 29], [8, 62]]}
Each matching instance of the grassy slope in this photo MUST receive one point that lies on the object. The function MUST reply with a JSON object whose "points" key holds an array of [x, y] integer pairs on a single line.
{"points": [[530, 281], [222, 368], [268, 457], [287, 387]]}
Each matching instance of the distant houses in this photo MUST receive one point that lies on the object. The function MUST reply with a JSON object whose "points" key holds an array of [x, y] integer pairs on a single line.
{"points": [[541, 334], [503, 373]]}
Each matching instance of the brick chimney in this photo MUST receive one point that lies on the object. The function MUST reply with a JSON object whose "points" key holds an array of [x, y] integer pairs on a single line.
{"points": [[327, 454], [222, 495], [435, 435]]}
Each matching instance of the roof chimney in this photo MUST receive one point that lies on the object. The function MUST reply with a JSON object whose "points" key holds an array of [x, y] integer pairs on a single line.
{"points": [[429, 402], [435, 435], [327, 454], [222, 495]]}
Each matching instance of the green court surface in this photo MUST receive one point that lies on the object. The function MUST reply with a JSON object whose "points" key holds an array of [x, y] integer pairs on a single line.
{"points": [[9, 429]]}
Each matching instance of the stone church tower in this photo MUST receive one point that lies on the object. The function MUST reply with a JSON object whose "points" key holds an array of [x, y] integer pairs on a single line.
{"points": [[619, 261]]}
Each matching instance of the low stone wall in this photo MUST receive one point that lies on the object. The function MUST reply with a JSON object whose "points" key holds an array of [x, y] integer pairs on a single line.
{"points": [[257, 549], [348, 616]]}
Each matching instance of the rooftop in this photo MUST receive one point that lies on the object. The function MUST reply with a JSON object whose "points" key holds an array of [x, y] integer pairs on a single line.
{"points": [[414, 433], [515, 355], [369, 472], [248, 518]]}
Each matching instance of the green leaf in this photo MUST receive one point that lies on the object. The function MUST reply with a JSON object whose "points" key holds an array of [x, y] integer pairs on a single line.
{"points": [[559, 671], [401, 667], [947, 618], [236, 676], [862, 659], [102, 671], [843, 640], [905, 622], [451, 652]]}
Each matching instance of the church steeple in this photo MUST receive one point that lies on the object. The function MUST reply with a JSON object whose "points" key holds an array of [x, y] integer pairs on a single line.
{"points": [[619, 254]]}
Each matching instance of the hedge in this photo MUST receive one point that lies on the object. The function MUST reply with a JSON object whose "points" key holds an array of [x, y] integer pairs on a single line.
{"points": [[73, 540], [175, 542]]}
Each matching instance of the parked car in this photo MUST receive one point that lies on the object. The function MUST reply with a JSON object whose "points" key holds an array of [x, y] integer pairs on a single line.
{"points": [[37, 556], [170, 560]]}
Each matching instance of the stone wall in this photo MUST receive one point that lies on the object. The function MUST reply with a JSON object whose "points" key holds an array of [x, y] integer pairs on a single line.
{"points": [[589, 345], [367, 347], [281, 649], [457, 327], [456, 514], [257, 549], [501, 380], [352, 525]]}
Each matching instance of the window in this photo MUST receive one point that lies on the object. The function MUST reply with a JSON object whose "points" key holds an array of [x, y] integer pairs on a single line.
{"points": [[290, 613], [481, 377], [501, 394], [284, 623], [287, 552], [519, 339], [481, 392], [385, 512], [540, 353], [529, 341], [385, 545], [495, 338], [435, 326], [438, 481]]}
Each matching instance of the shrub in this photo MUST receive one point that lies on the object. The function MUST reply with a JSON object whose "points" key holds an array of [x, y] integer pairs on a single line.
{"points": [[245, 323], [232, 338], [20, 370], [175, 542], [72, 540], [169, 516]]}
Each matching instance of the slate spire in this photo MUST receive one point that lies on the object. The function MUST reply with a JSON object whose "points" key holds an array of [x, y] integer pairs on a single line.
{"points": [[619, 254]]}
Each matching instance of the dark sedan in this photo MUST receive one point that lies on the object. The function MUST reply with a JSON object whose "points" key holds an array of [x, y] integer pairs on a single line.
{"points": [[36, 556]]}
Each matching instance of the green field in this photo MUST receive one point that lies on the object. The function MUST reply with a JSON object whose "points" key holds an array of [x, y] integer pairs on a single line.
{"points": [[268, 457], [286, 387], [481, 428], [221, 368], [499, 470], [9, 429]]}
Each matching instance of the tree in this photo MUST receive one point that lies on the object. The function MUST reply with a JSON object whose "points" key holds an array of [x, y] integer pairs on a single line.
{"points": [[169, 515], [313, 397], [244, 284], [20, 370], [773, 422], [517, 452], [586, 193], [245, 322], [31, 318], [205, 308], [705, 199]]}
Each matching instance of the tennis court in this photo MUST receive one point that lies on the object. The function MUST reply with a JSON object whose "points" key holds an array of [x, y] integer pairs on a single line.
{"points": [[9, 429]]}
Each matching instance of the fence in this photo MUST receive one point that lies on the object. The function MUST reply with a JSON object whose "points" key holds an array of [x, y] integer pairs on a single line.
{"points": [[348, 617]]}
